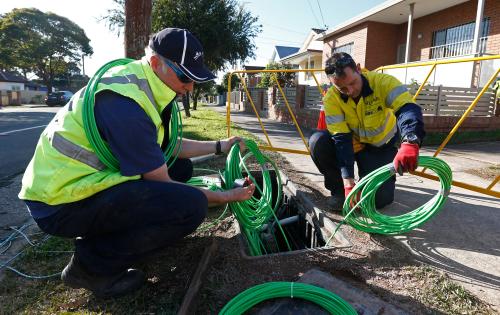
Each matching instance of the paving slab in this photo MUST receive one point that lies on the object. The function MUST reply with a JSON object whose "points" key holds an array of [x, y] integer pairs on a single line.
{"points": [[363, 301], [463, 239]]}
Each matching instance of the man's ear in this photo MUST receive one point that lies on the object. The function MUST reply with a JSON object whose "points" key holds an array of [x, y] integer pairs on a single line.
{"points": [[155, 63], [358, 67]]}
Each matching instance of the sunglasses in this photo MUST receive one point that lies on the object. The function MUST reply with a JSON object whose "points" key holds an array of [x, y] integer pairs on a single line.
{"points": [[337, 68], [178, 72]]}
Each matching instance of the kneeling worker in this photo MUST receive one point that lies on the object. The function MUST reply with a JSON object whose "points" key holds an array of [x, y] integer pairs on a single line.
{"points": [[118, 218], [367, 115]]}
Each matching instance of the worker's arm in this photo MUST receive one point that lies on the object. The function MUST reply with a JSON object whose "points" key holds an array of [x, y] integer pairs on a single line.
{"points": [[193, 148], [342, 135], [214, 197], [408, 114], [345, 157]]}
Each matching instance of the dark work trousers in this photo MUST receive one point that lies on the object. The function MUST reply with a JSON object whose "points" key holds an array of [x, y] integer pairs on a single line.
{"points": [[324, 155], [122, 225]]}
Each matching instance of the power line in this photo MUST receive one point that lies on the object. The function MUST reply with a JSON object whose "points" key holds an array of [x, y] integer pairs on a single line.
{"points": [[321, 12], [314, 14], [280, 40], [285, 29]]}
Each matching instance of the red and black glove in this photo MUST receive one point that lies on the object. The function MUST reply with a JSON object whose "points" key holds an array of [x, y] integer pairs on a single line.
{"points": [[355, 199], [347, 190], [407, 158]]}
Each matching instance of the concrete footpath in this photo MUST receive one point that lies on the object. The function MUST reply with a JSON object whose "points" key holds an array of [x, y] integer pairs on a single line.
{"points": [[463, 240]]}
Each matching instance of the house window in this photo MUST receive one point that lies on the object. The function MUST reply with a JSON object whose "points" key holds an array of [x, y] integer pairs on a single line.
{"points": [[347, 48], [457, 40]]}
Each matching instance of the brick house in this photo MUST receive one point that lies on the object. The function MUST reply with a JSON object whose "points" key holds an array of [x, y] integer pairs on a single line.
{"points": [[438, 29]]}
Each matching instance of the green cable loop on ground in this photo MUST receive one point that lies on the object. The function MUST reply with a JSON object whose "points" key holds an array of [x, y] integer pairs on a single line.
{"points": [[90, 126], [364, 215], [252, 214], [271, 290]]}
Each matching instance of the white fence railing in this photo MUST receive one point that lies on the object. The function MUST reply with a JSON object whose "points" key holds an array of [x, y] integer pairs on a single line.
{"points": [[462, 48]]}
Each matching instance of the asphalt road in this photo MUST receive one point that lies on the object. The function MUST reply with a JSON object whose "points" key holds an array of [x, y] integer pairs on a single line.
{"points": [[20, 128]]}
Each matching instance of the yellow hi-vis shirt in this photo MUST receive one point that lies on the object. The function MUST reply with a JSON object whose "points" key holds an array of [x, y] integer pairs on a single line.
{"points": [[371, 120]]}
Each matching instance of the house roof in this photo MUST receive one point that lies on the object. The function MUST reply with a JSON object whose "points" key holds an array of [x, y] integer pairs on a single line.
{"points": [[393, 12], [283, 51], [11, 76]]}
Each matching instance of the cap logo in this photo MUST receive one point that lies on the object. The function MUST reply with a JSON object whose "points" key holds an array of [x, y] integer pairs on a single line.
{"points": [[197, 55]]}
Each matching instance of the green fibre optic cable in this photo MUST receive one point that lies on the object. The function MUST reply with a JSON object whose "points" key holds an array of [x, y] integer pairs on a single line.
{"points": [[272, 290], [89, 124], [364, 215], [252, 214]]}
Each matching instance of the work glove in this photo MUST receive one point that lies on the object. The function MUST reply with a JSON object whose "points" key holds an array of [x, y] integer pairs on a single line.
{"points": [[407, 158], [355, 199], [347, 190]]}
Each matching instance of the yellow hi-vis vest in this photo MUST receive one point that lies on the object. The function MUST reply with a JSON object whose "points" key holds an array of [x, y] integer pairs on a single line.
{"points": [[64, 167], [372, 120]]}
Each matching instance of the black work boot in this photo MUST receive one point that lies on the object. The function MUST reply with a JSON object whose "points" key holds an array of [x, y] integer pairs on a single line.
{"points": [[335, 202], [116, 285]]}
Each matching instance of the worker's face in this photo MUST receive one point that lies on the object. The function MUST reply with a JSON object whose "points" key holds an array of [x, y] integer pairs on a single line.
{"points": [[170, 77], [350, 83]]}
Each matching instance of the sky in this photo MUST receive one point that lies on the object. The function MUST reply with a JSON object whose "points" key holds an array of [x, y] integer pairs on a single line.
{"points": [[284, 22]]}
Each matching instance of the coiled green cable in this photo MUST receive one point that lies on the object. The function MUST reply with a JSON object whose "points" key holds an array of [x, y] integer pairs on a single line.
{"points": [[364, 216], [271, 290], [90, 126], [252, 214]]}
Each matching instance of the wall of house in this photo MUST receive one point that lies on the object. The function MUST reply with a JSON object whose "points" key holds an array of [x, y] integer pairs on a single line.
{"points": [[304, 77], [11, 86], [381, 48], [453, 16], [356, 35]]}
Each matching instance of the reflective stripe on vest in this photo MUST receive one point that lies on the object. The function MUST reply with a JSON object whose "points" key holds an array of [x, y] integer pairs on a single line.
{"points": [[363, 133], [334, 119], [393, 95], [76, 152], [131, 79]]}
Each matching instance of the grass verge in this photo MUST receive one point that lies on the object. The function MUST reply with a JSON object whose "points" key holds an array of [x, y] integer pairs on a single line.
{"points": [[436, 138]]}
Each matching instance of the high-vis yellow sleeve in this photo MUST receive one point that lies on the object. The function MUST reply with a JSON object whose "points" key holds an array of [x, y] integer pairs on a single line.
{"points": [[334, 116], [396, 94]]}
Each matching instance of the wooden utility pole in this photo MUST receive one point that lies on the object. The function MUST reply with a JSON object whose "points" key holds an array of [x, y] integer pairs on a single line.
{"points": [[137, 27]]}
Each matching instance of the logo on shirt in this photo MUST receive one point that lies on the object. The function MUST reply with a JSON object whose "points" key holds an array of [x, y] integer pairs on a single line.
{"points": [[197, 55]]}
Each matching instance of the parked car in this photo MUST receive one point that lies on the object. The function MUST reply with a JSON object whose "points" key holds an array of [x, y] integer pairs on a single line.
{"points": [[58, 98]]}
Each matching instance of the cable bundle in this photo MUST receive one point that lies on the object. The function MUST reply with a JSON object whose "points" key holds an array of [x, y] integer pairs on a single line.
{"points": [[271, 290], [252, 214], [92, 132], [364, 215]]}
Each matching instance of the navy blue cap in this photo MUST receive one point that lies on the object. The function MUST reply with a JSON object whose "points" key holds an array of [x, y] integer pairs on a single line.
{"points": [[180, 46]]}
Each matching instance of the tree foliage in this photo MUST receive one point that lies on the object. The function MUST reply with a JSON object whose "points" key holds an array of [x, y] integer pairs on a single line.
{"points": [[225, 29], [115, 18], [284, 78], [45, 44], [235, 81]]}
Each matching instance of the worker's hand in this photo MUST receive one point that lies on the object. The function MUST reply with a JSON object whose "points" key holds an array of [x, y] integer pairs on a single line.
{"points": [[355, 199], [227, 144], [407, 158], [347, 190], [240, 193]]}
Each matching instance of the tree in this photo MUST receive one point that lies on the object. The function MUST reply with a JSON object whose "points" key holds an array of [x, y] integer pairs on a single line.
{"points": [[43, 43], [115, 18], [284, 78], [225, 29], [235, 81]]}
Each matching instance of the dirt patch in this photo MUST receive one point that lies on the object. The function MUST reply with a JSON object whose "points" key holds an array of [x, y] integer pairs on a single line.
{"points": [[488, 173]]}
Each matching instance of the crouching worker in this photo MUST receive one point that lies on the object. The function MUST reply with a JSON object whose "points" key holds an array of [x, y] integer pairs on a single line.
{"points": [[368, 114], [118, 218]]}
